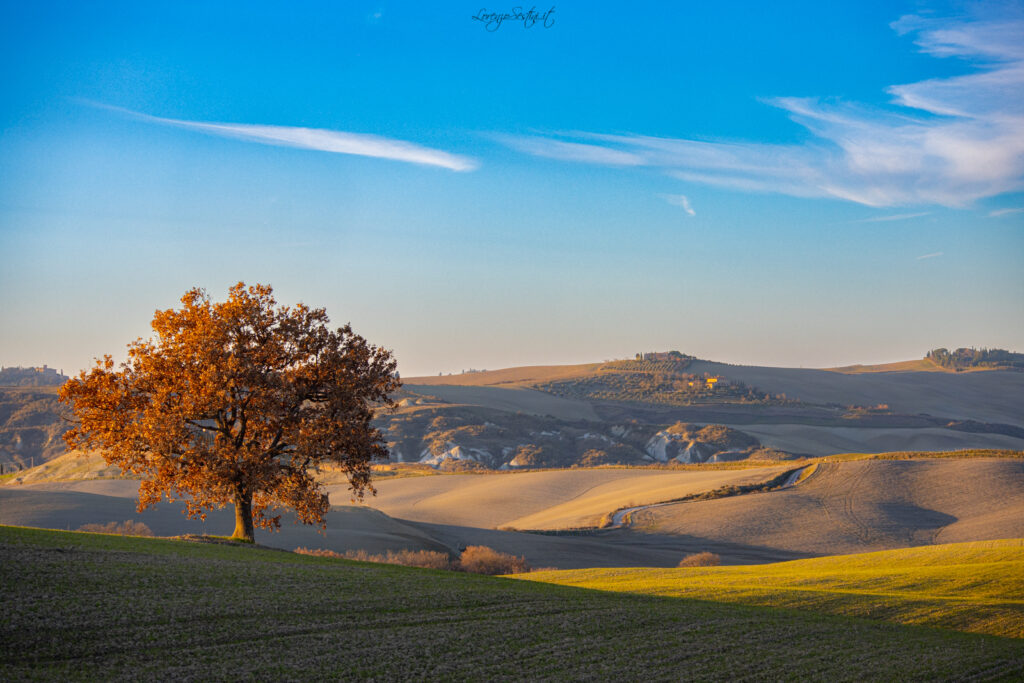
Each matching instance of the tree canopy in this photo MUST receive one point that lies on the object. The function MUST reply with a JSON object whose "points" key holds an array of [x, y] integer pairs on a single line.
{"points": [[238, 402]]}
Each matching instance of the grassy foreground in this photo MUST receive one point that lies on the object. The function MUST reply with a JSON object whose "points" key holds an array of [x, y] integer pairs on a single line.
{"points": [[975, 587], [91, 606]]}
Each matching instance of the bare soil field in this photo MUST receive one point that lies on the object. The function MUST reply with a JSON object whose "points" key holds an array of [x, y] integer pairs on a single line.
{"points": [[555, 499], [819, 441], [510, 399], [862, 506], [918, 365], [522, 376], [990, 396]]}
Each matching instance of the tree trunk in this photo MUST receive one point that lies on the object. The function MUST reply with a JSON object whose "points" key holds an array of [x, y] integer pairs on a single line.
{"points": [[243, 517]]}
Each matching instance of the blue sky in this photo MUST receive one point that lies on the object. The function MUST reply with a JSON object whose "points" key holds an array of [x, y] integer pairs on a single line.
{"points": [[806, 184]]}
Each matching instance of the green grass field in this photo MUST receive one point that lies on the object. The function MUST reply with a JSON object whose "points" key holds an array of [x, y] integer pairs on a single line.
{"points": [[89, 606], [973, 587]]}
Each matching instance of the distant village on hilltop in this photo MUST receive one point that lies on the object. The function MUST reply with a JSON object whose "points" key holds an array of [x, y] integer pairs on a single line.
{"points": [[44, 376]]}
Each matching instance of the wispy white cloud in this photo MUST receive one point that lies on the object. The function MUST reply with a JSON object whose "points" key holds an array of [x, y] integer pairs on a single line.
{"points": [[946, 141], [319, 139], [894, 217], [680, 200], [998, 213], [571, 151], [926, 256]]}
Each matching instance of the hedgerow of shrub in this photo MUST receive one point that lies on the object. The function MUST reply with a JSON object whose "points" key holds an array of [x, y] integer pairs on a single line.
{"points": [[125, 528], [427, 559], [476, 559]]}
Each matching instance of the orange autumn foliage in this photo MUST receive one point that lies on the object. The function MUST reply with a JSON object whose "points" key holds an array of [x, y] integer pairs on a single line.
{"points": [[238, 403]]}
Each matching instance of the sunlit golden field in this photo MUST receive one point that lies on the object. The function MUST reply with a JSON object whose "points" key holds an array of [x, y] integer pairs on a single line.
{"points": [[976, 587]]}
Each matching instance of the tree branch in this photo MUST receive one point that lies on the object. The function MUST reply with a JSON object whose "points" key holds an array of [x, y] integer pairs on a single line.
{"points": [[206, 427]]}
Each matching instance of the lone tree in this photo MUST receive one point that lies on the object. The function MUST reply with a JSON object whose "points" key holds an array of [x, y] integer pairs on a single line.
{"points": [[238, 402]]}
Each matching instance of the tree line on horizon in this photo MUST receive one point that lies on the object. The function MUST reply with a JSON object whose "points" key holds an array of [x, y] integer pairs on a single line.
{"points": [[964, 358]]}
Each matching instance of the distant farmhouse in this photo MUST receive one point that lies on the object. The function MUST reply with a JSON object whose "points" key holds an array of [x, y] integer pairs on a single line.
{"points": [[682, 361]]}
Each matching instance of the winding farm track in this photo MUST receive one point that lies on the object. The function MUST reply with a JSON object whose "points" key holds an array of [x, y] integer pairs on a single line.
{"points": [[862, 506], [622, 517]]}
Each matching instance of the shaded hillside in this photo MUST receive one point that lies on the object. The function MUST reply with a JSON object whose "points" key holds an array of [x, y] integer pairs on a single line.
{"points": [[992, 396], [690, 443], [463, 437], [31, 425], [424, 429]]}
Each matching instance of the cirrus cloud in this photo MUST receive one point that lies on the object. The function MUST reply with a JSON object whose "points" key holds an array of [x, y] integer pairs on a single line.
{"points": [[947, 141], [319, 139]]}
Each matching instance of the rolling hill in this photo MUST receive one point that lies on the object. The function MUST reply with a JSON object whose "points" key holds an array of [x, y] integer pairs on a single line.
{"points": [[844, 507], [985, 395], [31, 425], [548, 500], [860, 506], [440, 512], [621, 413], [917, 405]]}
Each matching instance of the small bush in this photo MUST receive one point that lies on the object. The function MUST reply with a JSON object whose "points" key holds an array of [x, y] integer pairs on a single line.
{"points": [[319, 552], [427, 559], [479, 559], [704, 559], [125, 528]]}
